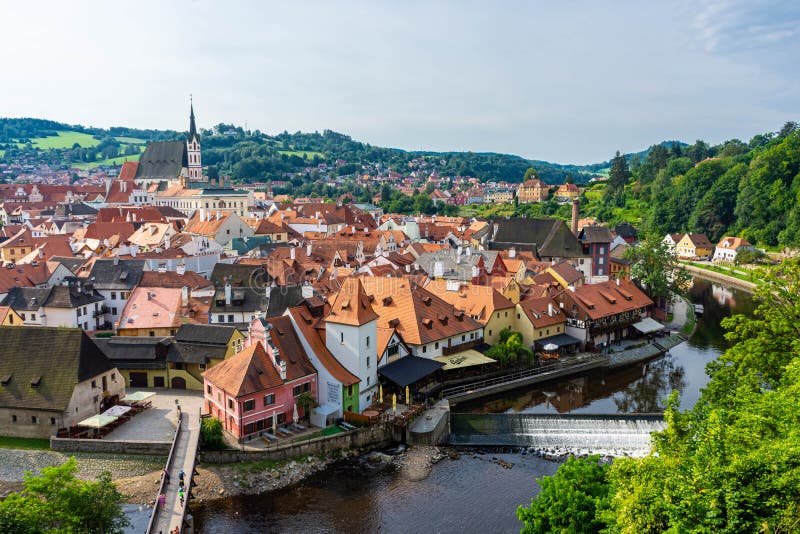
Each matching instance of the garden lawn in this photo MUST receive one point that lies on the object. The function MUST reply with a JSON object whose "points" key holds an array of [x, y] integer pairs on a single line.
{"points": [[65, 139], [308, 153], [24, 443]]}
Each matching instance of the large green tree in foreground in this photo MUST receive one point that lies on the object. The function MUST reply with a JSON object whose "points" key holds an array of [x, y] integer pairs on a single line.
{"points": [[56, 501], [731, 464], [655, 267]]}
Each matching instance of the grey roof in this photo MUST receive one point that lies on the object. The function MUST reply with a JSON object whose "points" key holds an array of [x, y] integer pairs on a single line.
{"points": [[116, 274], [596, 233], [75, 208], [133, 352], [547, 237], [195, 352], [282, 298], [247, 299], [162, 160], [626, 230], [207, 334], [70, 262], [63, 358], [216, 191], [454, 267], [32, 298], [239, 275]]}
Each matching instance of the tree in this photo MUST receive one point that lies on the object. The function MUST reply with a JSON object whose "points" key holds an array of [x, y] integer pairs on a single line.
{"points": [[570, 500], [510, 349], [618, 177], [211, 434], [530, 174], [657, 270], [56, 501]]}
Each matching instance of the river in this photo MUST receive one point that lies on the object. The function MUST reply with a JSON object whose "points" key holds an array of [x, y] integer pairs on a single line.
{"points": [[475, 493]]}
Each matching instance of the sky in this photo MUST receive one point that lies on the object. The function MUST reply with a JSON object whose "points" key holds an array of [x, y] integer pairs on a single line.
{"points": [[569, 82]]}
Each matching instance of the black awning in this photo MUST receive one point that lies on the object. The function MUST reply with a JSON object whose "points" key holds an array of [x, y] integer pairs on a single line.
{"points": [[409, 369], [562, 340]]}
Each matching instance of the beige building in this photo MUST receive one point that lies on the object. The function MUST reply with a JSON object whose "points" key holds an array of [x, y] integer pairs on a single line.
{"points": [[52, 378], [188, 200], [532, 191]]}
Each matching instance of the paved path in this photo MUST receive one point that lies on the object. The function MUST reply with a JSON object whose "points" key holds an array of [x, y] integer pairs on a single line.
{"points": [[171, 515]]}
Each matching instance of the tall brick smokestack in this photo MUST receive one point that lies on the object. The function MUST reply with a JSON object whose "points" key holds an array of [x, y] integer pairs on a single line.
{"points": [[575, 217]]}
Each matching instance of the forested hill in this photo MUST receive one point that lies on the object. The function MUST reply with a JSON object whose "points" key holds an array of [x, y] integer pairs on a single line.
{"points": [[747, 189], [254, 156]]}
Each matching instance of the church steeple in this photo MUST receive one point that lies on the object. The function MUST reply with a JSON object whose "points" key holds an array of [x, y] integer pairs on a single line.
{"points": [[193, 148]]}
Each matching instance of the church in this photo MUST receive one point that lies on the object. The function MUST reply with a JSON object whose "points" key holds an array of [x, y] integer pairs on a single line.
{"points": [[170, 163]]}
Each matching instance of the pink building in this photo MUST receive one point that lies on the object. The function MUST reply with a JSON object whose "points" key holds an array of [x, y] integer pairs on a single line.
{"points": [[257, 388]]}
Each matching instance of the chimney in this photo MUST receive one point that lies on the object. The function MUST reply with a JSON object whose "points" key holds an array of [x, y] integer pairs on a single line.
{"points": [[475, 272], [282, 369], [116, 260], [227, 292], [307, 291], [167, 241], [512, 253], [180, 269], [292, 253], [575, 217], [617, 281], [134, 250], [550, 309], [308, 250], [41, 253], [408, 268], [184, 296]]}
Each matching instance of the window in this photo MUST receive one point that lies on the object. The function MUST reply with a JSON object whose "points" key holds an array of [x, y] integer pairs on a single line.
{"points": [[367, 343], [490, 332], [22, 315], [14, 418], [367, 384], [230, 318], [53, 421], [301, 388], [424, 348], [281, 418], [114, 310], [547, 332], [113, 376], [600, 261], [219, 396], [463, 338], [208, 389], [34, 420], [94, 384], [152, 333], [202, 366], [33, 317], [249, 405], [269, 399], [113, 295], [341, 337], [367, 361], [220, 318], [506, 315], [436, 345], [472, 335], [230, 404], [96, 399]]}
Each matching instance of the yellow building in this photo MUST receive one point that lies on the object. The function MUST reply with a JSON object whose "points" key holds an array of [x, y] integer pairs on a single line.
{"points": [[532, 191], [539, 318], [483, 303], [694, 246], [9, 317]]}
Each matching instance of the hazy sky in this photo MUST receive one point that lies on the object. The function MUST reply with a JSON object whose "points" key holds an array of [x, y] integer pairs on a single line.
{"points": [[559, 80]]}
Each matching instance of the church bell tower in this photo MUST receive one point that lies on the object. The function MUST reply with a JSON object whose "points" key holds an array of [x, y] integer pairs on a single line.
{"points": [[193, 148]]}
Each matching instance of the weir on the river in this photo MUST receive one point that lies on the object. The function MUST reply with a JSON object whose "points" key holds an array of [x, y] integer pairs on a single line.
{"points": [[618, 434]]}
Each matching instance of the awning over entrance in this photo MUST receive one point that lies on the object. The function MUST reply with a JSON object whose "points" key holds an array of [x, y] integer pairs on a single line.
{"points": [[98, 421], [463, 359], [409, 369], [648, 325], [560, 340]]}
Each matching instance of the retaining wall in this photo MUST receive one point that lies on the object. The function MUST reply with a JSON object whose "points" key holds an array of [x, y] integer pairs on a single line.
{"points": [[374, 436], [154, 448], [719, 277]]}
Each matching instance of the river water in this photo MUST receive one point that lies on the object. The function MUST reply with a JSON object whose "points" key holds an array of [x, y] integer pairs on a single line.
{"points": [[475, 493]]}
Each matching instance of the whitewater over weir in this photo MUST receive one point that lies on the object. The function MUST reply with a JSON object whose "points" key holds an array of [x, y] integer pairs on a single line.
{"points": [[559, 435]]}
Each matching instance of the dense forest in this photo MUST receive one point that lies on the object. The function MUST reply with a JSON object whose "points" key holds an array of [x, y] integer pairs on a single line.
{"points": [[746, 189], [731, 464]]}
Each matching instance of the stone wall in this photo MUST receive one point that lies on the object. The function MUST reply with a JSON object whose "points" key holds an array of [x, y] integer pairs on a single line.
{"points": [[432, 427], [155, 448], [375, 436]]}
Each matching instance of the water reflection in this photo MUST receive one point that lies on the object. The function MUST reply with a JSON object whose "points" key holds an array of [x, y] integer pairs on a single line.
{"points": [[641, 388]]}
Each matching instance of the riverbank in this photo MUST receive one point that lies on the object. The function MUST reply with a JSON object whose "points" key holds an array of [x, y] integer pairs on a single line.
{"points": [[703, 272]]}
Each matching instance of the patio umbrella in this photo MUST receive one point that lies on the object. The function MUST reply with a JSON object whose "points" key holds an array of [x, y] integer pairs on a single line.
{"points": [[380, 392], [394, 402], [550, 347], [408, 396], [274, 425], [295, 417]]}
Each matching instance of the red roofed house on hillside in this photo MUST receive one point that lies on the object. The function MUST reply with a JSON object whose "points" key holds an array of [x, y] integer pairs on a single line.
{"points": [[256, 390]]}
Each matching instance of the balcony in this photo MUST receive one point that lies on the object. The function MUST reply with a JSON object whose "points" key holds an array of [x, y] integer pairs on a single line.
{"points": [[102, 311]]}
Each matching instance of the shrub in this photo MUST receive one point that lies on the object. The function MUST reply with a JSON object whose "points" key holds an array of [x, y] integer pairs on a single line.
{"points": [[211, 434]]}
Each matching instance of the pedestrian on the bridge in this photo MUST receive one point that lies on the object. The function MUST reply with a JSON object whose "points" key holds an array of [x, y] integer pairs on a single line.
{"points": [[180, 495], [161, 500], [180, 475], [166, 477]]}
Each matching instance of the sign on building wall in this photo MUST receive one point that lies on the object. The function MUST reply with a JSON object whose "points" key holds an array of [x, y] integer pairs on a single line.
{"points": [[334, 392]]}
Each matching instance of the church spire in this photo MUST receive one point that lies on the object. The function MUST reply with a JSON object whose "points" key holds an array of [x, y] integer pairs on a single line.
{"points": [[192, 126]]}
